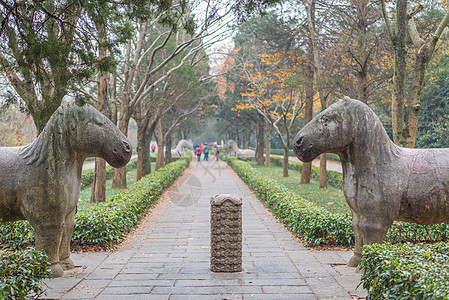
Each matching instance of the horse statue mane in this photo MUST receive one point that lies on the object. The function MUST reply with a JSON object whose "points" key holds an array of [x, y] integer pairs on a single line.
{"points": [[52, 139], [370, 132]]}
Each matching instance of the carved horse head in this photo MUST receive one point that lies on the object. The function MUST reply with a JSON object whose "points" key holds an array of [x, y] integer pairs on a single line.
{"points": [[80, 129], [330, 131]]}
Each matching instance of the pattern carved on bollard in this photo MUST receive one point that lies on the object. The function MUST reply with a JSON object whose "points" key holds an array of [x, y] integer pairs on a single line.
{"points": [[226, 233]]}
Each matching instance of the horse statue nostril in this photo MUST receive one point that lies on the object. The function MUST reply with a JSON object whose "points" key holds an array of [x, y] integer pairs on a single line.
{"points": [[127, 146], [298, 142]]}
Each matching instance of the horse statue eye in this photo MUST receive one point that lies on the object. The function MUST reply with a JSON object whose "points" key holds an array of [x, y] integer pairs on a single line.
{"points": [[97, 122]]}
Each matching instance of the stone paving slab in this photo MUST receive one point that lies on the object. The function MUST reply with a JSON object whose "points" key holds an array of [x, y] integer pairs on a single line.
{"points": [[168, 256]]}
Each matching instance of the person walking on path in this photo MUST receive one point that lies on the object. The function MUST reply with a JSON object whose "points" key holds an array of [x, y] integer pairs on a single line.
{"points": [[206, 153], [198, 152], [216, 152]]}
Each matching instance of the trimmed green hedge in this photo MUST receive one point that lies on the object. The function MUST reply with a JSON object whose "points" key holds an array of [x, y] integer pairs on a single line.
{"points": [[317, 225], [87, 176], [406, 271], [107, 223], [21, 274]]}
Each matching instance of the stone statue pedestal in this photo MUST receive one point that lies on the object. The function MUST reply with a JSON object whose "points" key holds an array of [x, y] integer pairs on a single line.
{"points": [[226, 233]]}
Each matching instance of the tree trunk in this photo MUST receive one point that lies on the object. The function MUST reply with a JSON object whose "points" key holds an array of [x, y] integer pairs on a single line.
{"points": [[400, 135], [308, 113], [414, 107], [267, 146], [119, 177], [285, 163], [160, 146], [260, 142], [168, 146], [112, 104], [174, 140], [316, 63], [247, 138], [146, 159], [145, 164], [323, 171], [362, 86], [99, 183], [143, 153], [362, 73]]}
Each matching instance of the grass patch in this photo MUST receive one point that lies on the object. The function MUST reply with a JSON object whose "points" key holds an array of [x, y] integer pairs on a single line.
{"points": [[331, 199]]}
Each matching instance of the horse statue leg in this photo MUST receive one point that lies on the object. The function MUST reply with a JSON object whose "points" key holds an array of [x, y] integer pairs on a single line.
{"points": [[48, 239], [354, 260], [366, 232], [370, 226], [64, 250]]}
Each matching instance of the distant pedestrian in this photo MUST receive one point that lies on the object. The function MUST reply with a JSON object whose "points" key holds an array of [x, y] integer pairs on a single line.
{"points": [[206, 153], [216, 152], [198, 152], [153, 148]]}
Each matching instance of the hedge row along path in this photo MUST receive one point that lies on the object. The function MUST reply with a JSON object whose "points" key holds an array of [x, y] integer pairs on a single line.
{"points": [[168, 256]]}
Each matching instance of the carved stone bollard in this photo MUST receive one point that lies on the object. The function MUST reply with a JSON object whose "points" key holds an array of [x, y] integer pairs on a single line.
{"points": [[226, 233]]}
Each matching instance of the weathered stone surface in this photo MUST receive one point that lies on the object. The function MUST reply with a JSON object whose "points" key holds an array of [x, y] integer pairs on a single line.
{"points": [[181, 148], [226, 233], [382, 182], [41, 182], [232, 149]]}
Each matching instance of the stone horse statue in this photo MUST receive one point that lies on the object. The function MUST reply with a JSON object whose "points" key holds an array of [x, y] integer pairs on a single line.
{"points": [[232, 149], [181, 148], [382, 182], [41, 181]]}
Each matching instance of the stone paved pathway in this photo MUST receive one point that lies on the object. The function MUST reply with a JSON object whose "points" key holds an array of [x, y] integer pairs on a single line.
{"points": [[168, 256]]}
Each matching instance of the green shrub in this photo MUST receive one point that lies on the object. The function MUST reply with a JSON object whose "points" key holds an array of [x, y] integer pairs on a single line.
{"points": [[16, 235], [107, 223], [406, 271], [317, 225], [21, 274]]}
